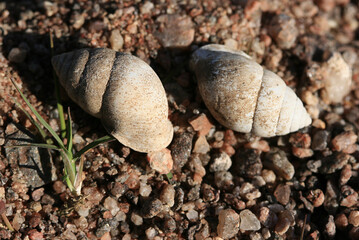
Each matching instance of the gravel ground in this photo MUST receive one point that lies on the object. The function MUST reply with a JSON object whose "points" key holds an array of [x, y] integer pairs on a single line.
{"points": [[225, 185]]}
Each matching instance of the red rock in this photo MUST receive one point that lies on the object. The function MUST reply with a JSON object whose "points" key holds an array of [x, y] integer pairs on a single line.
{"points": [[107, 215], [35, 235], [230, 138], [201, 124], [161, 161], [261, 145], [341, 221], [302, 152], [344, 142], [228, 149], [316, 197], [300, 140], [354, 218]]}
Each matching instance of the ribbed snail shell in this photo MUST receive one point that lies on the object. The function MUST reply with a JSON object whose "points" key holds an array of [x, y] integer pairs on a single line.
{"points": [[120, 89], [243, 96]]}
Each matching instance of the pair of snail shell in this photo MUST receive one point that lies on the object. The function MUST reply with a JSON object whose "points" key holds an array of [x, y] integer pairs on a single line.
{"points": [[127, 95]]}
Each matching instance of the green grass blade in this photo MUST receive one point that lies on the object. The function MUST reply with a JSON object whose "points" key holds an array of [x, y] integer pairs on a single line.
{"points": [[69, 133], [60, 108], [95, 143], [32, 120], [78, 180], [70, 170], [38, 116], [40, 145]]}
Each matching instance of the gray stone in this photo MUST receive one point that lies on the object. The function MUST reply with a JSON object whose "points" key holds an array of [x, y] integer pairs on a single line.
{"points": [[277, 161], [249, 221], [32, 164]]}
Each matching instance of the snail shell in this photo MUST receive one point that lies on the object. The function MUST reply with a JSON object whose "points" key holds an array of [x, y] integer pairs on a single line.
{"points": [[120, 89], [243, 96]]}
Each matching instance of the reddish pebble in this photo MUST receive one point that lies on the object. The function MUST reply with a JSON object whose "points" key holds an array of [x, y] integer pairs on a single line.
{"points": [[201, 124], [341, 221], [261, 145], [300, 140], [302, 152], [316, 197], [344, 142], [161, 161], [354, 218], [107, 215], [230, 138], [350, 196], [345, 174], [35, 235]]}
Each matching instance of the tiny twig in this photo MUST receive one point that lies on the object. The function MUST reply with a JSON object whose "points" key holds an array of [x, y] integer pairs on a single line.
{"points": [[7, 222], [303, 228]]}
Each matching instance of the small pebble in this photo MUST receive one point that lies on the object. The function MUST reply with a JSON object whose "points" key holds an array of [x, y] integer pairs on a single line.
{"points": [[320, 139], [221, 162], [285, 220], [147, 7], [268, 176], [330, 228], [350, 196], [35, 235], [37, 194], [228, 224], [267, 217], [354, 218], [341, 221], [337, 78], [345, 174], [59, 187], [181, 148], [192, 215], [161, 161], [116, 40], [112, 205], [169, 225], [201, 145], [175, 31], [17, 55], [282, 193], [249, 221], [167, 195], [151, 233], [223, 179], [145, 190], [277, 161], [136, 219], [151, 208], [248, 163], [284, 30], [201, 124], [344, 142]]}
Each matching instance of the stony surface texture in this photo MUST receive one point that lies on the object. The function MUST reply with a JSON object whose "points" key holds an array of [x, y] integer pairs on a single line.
{"points": [[307, 180]]}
